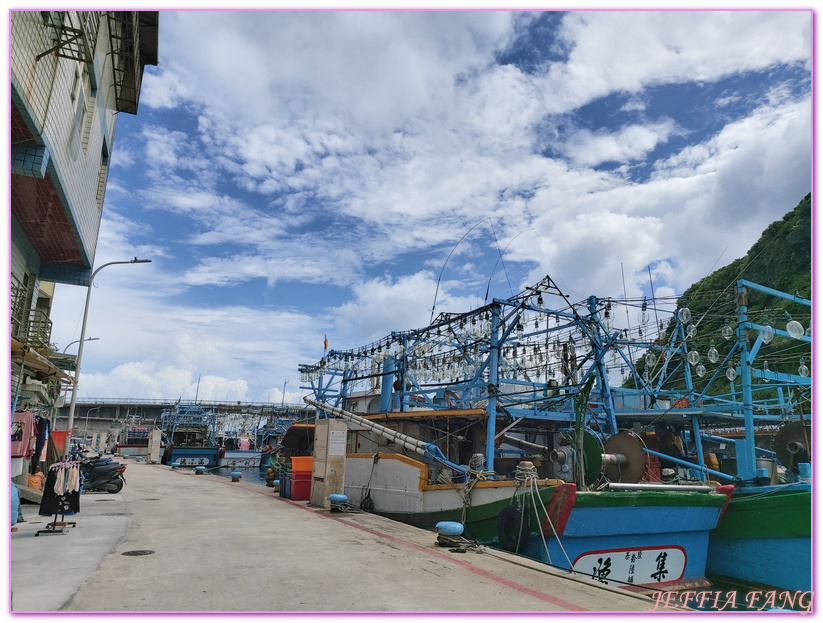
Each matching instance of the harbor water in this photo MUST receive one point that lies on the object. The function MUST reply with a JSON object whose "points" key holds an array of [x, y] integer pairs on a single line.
{"points": [[249, 474]]}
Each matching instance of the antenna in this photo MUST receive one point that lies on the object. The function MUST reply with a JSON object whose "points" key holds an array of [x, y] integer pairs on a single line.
{"points": [[654, 303], [437, 289], [500, 259]]}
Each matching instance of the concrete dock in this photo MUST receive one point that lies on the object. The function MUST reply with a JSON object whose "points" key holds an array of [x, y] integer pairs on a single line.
{"points": [[173, 541]]}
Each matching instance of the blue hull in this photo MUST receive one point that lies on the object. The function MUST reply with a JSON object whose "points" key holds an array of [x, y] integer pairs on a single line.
{"points": [[765, 538], [743, 559], [191, 457], [642, 546]]}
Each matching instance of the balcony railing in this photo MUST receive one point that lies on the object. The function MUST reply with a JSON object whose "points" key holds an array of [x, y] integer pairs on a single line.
{"points": [[30, 326]]}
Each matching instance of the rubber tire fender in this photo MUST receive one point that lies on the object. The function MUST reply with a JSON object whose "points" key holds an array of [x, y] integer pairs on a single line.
{"points": [[367, 504], [509, 522]]}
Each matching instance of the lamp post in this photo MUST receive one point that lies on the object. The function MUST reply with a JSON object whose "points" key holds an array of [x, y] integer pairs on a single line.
{"points": [[88, 339], [86, 427], [79, 358]]}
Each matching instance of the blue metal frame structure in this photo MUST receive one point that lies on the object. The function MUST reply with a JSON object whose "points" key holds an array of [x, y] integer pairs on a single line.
{"points": [[524, 360]]}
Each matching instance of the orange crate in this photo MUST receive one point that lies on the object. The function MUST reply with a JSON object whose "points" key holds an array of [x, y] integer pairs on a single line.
{"points": [[302, 463]]}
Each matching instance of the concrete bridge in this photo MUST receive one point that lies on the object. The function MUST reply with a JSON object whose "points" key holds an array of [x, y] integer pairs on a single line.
{"points": [[108, 415]]}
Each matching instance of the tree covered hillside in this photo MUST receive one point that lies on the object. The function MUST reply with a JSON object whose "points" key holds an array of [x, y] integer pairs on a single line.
{"points": [[781, 259]]}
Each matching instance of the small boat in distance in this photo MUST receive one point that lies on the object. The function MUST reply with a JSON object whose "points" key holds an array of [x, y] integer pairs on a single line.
{"points": [[190, 432]]}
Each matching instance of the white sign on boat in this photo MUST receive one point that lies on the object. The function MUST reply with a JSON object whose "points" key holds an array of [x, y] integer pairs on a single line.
{"points": [[640, 565]]}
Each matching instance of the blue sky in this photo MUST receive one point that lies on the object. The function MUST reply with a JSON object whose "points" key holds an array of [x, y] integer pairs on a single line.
{"points": [[300, 174]]}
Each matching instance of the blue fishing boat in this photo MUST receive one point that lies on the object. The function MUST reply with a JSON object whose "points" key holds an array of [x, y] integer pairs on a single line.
{"points": [[190, 433], [765, 537], [513, 409]]}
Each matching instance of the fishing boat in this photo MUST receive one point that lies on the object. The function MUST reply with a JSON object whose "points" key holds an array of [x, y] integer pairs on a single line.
{"points": [[190, 431], [133, 439], [428, 489], [765, 537], [238, 451], [756, 427], [512, 411]]}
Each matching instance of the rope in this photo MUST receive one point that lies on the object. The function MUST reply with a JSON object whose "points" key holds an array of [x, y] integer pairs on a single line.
{"points": [[344, 507], [548, 519], [777, 489], [459, 544], [528, 474]]}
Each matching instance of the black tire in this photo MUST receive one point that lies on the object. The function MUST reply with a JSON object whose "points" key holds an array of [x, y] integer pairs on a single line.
{"points": [[115, 487], [511, 524]]}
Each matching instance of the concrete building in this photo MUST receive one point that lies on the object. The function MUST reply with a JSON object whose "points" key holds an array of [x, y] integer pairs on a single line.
{"points": [[71, 72]]}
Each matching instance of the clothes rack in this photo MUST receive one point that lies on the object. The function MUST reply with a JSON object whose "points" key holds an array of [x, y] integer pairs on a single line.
{"points": [[61, 496]]}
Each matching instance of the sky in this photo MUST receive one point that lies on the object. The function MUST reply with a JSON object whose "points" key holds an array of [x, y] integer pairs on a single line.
{"points": [[300, 175]]}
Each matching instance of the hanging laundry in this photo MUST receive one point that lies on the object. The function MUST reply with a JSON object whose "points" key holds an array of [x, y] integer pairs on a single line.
{"points": [[58, 499], [22, 431], [42, 426]]}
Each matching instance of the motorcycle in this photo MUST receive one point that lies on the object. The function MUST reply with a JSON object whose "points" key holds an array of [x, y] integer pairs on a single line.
{"points": [[102, 474]]}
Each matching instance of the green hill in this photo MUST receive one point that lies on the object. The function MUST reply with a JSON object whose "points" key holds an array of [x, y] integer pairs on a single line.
{"points": [[781, 259]]}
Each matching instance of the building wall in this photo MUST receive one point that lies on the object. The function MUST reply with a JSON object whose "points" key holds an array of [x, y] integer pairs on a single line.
{"points": [[65, 95], [50, 92]]}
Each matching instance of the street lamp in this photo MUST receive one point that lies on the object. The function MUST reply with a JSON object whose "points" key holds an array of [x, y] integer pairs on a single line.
{"points": [[79, 358], [86, 427], [88, 339]]}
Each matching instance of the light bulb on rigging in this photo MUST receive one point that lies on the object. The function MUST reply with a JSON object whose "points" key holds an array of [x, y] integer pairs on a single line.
{"points": [[766, 332], [793, 328], [643, 315]]}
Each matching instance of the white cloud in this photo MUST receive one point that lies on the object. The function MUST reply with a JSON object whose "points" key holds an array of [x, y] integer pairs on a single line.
{"points": [[383, 305], [625, 51], [634, 104], [451, 139], [328, 143], [629, 143]]}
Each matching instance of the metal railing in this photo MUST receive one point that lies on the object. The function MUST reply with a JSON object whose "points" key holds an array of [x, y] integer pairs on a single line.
{"points": [[277, 406], [30, 326]]}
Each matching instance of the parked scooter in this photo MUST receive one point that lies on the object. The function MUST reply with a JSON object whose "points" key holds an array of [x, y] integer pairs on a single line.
{"points": [[102, 474]]}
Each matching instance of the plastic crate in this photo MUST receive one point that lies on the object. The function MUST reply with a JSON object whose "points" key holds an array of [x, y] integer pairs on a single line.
{"points": [[302, 463], [301, 476], [301, 490]]}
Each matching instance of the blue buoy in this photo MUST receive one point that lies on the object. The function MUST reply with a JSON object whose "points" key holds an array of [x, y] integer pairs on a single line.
{"points": [[235, 476], [805, 470], [276, 483], [200, 469], [338, 498], [449, 528], [175, 464]]}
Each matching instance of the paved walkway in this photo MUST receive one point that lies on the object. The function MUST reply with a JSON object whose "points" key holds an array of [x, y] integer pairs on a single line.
{"points": [[222, 546]]}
